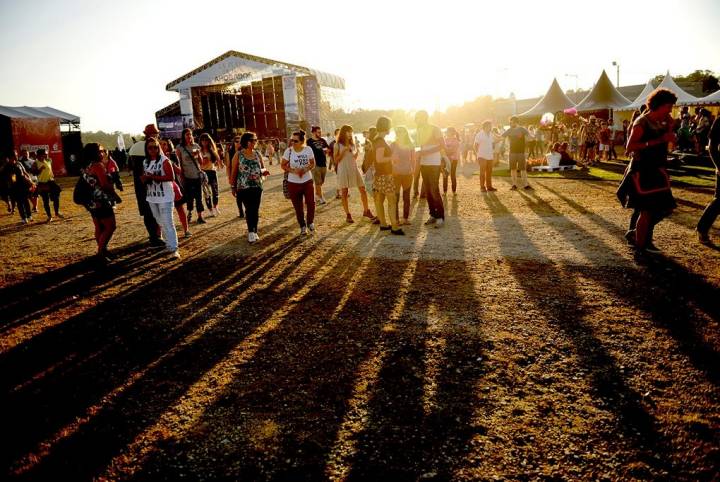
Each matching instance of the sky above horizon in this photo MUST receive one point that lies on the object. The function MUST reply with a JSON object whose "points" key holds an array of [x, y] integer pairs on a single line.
{"points": [[109, 62]]}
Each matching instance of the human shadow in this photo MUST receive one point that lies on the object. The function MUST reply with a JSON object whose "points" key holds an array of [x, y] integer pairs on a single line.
{"points": [[540, 281], [129, 359]]}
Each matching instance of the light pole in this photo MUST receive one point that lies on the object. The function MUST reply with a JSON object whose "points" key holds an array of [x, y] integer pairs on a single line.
{"points": [[617, 78], [576, 79]]}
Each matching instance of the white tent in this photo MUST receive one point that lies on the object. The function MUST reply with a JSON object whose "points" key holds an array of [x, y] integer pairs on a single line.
{"points": [[713, 98], [640, 99], [683, 97]]}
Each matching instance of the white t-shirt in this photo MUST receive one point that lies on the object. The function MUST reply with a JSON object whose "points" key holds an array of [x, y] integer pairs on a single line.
{"points": [[299, 160], [158, 192], [484, 144]]}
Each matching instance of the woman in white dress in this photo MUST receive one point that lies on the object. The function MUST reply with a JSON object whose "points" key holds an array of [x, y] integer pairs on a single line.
{"points": [[345, 154]]}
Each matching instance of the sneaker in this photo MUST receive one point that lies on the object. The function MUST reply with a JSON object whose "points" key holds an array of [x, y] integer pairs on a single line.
{"points": [[491, 189], [368, 214], [211, 213], [24, 221], [321, 201], [513, 188], [251, 238], [217, 212], [257, 238], [528, 188], [58, 215], [175, 254], [430, 221], [49, 219], [439, 223], [201, 221], [311, 227], [703, 238], [398, 232], [187, 234], [303, 231], [385, 228]]}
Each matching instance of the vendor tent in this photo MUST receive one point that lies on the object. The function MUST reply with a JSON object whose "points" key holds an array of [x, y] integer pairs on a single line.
{"points": [[683, 97], [713, 98], [602, 96], [554, 100], [641, 98]]}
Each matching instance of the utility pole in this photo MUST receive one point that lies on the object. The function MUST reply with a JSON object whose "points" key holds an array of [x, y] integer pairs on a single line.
{"points": [[617, 78]]}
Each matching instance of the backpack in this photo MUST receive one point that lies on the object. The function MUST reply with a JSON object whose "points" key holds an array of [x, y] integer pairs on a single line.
{"points": [[83, 192]]}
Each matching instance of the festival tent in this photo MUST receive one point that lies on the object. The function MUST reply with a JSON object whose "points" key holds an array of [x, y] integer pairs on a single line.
{"points": [[602, 96], [34, 128], [554, 100], [640, 99], [683, 97], [711, 99]]}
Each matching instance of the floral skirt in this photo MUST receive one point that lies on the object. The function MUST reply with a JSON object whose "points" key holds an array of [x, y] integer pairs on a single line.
{"points": [[384, 183]]}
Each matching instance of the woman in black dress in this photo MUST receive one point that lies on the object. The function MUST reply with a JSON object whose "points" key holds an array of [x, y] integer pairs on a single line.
{"points": [[646, 186]]}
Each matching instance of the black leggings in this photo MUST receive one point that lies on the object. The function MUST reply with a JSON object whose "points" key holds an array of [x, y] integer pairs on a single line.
{"points": [[46, 197], [453, 176], [251, 198]]}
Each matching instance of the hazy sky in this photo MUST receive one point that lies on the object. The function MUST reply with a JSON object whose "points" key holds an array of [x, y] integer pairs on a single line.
{"points": [[109, 62]]}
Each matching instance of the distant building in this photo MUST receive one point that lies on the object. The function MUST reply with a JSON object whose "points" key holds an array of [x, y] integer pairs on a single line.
{"points": [[237, 92]]}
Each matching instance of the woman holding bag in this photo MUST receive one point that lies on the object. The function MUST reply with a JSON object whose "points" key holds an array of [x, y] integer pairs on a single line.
{"points": [[158, 177], [247, 174], [188, 153]]}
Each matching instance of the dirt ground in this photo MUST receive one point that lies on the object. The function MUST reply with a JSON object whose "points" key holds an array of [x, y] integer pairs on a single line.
{"points": [[522, 341]]}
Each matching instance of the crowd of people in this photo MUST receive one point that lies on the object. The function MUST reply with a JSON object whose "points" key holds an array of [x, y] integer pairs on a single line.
{"points": [[183, 179]]}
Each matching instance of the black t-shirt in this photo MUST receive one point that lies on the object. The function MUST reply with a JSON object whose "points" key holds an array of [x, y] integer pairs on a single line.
{"points": [[384, 168], [317, 146]]}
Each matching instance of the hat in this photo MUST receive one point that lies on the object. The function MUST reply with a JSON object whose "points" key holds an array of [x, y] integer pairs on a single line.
{"points": [[151, 130]]}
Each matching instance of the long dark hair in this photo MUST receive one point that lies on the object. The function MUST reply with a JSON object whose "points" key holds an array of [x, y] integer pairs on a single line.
{"points": [[344, 131], [182, 136]]}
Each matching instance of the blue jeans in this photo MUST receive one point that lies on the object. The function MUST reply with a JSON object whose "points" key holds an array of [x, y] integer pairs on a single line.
{"points": [[163, 214]]}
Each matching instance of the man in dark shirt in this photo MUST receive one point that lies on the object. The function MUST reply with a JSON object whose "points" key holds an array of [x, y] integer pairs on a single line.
{"points": [[516, 135], [319, 147], [713, 208], [333, 166]]}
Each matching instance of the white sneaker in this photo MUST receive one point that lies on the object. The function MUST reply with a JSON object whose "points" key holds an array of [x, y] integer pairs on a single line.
{"points": [[257, 238], [251, 238], [303, 231], [311, 227], [175, 254], [439, 223]]}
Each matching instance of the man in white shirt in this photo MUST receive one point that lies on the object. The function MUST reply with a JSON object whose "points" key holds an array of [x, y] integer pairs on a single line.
{"points": [[483, 147], [432, 145]]}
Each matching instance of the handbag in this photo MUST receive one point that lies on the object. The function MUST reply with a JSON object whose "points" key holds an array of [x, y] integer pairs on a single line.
{"points": [[203, 177], [177, 191]]}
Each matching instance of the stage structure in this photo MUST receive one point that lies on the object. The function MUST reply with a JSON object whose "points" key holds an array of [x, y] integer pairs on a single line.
{"points": [[236, 92]]}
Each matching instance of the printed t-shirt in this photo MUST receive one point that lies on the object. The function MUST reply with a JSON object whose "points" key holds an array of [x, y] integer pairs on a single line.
{"points": [[299, 160], [317, 146]]}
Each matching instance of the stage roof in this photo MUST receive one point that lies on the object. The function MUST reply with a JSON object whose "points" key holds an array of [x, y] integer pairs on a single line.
{"points": [[233, 66]]}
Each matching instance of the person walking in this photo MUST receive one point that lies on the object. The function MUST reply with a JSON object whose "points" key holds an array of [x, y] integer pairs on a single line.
{"points": [[516, 135], [136, 157], [20, 186], [158, 176], [345, 155], [47, 187], [646, 185], [188, 153], [209, 161], [384, 183], [403, 155], [485, 139], [713, 208], [298, 161], [167, 148], [319, 147], [432, 145], [452, 149], [229, 156], [247, 174], [101, 203]]}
